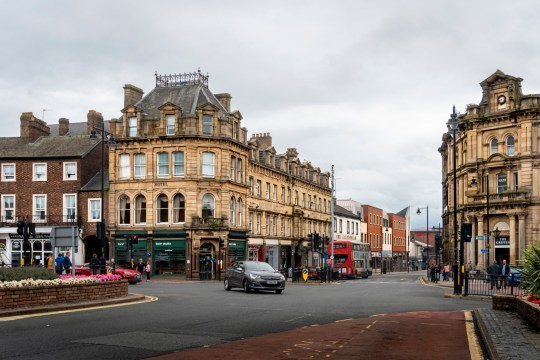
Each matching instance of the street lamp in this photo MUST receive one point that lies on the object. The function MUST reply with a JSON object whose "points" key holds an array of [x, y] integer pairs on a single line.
{"points": [[438, 240], [382, 242], [452, 125], [110, 142], [418, 212]]}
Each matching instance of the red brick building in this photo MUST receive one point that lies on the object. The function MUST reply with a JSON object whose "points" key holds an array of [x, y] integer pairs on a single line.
{"points": [[43, 173], [399, 242]]}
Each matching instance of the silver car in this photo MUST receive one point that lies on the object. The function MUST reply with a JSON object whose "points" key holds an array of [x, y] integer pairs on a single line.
{"points": [[254, 275]]}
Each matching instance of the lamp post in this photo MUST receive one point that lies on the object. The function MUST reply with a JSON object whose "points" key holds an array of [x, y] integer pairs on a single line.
{"points": [[111, 142], [452, 125], [418, 212], [383, 228]]}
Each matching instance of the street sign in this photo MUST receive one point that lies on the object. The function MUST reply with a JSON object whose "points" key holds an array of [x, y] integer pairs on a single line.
{"points": [[305, 275], [483, 250], [482, 237]]}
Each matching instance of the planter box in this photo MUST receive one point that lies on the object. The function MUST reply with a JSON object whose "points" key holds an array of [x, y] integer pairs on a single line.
{"points": [[60, 294], [529, 311]]}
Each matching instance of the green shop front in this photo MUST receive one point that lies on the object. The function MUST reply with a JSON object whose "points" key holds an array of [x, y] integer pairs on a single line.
{"points": [[169, 252], [125, 250], [236, 248]]}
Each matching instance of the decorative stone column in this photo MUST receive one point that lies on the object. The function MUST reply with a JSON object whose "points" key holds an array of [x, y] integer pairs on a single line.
{"points": [[514, 244], [521, 235]]}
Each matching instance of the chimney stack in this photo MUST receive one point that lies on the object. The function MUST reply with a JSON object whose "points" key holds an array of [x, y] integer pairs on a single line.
{"points": [[32, 127], [63, 126], [132, 95], [225, 100], [94, 120]]}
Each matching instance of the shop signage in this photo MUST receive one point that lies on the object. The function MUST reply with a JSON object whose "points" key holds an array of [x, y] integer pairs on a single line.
{"points": [[40, 236], [161, 183], [502, 241]]}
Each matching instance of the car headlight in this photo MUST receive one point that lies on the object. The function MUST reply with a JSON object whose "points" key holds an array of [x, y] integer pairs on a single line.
{"points": [[254, 276], [281, 277]]}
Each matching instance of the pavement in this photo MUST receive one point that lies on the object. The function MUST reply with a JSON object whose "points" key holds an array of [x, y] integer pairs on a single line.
{"points": [[482, 334]]}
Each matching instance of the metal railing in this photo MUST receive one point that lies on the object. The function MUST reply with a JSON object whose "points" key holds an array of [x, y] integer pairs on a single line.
{"points": [[487, 285]]}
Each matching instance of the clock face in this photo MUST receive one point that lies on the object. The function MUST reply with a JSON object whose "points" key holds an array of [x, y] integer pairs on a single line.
{"points": [[501, 99]]}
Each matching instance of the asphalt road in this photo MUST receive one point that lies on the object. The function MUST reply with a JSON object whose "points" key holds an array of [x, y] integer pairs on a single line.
{"points": [[189, 315]]}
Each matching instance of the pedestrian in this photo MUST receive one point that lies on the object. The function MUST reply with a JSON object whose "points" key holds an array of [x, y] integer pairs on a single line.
{"points": [[132, 264], [67, 263], [446, 271], [59, 264], [494, 270], [94, 264], [50, 262], [113, 266], [140, 267], [505, 271], [147, 270]]}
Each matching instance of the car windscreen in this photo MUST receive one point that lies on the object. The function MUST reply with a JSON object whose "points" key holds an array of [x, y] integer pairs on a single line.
{"points": [[258, 266]]}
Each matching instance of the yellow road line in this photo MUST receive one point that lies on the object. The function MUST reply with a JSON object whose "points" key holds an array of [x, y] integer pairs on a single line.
{"points": [[17, 317], [474, 343]]}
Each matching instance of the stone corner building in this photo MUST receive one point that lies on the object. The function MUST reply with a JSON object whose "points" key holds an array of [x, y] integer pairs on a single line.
{"points": [[497, 172], [185, 178]]}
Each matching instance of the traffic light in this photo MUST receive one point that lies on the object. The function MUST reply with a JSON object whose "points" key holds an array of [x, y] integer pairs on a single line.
{"points": [[317, 240], [466, 232], [437, 242], [20, 228], [310, 240], [135, 239], [32, 228], [221, 243]]}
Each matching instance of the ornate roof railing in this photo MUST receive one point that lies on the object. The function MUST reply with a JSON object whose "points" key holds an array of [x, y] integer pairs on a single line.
{"points": [[177, 80]]}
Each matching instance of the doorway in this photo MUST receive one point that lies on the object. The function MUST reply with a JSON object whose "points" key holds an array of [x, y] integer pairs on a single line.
{"points": [[207, 261]]}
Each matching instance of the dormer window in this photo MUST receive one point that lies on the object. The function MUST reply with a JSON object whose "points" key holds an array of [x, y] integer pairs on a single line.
{"points": [[132, 126], [207, 125], [169, 120]]}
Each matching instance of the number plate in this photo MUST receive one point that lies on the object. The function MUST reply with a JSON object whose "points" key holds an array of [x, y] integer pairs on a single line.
{"points": [[273, 282]]}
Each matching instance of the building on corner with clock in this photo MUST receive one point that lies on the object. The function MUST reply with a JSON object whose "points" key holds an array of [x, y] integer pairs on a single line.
{"points": [[497, 173]]}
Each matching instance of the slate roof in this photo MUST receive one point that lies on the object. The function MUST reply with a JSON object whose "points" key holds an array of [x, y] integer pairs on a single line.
{"points": [[94, 184], [187, 97], [338, 210], [78, 128], [46, 147]]}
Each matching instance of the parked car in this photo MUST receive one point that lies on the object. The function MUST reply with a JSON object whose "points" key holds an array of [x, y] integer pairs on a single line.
{"points": [[253, 275], [132, 276], [514, 278]]}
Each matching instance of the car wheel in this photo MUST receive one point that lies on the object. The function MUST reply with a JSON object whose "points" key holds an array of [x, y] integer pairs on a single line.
{"points": [[246, 286], [226, 284], [279, 291]]}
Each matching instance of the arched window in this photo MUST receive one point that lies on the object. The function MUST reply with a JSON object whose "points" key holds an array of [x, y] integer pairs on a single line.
{"points": [[510, 145], [233, 168], [124, 210], [239, 171], [233, 211], [140, 210], [208, 205], [162, 209], [493, 146], [239, 212], [179, 208]]}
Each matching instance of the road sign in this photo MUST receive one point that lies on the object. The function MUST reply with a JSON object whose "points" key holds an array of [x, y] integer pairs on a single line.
{"points": [[483, 250], [482, 237], [305, 275]]}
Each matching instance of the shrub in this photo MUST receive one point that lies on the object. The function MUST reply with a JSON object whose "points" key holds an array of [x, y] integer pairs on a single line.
{"points": [[530, 281], [26, 272]]}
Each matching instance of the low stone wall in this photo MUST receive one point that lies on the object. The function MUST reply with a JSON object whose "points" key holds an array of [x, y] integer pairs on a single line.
{"points": [[51, 295], [526, 309]]}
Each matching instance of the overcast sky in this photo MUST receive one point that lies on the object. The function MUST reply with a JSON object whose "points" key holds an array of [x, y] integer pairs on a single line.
{"points": [[366, 86]]}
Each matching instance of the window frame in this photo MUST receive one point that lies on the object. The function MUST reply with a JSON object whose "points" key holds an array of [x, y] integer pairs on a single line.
{"points": [[35, 174], [207, 124], [161, 165], [91, 210], [66, 173], [169, 125], [493, 146], [9, 165], [181, 209], [66, 216], [211, 209], [510, 148], [161, 211], [137, 167], [127, 210], [178, 163], [138, 210], [208, 163], [35, 217], [4, 217], [124, 169], [132, 126]]}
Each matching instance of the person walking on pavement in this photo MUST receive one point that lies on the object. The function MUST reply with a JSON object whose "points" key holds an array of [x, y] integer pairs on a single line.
{"points": [[494, 270], [59, 264], [67, 263], [148, 270], [50, 262], [94, 264], [505, 271], [140, 267]]}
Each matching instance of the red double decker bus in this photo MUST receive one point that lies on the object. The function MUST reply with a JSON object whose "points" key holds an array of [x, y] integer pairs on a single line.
{"points": [[352, 258]]}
